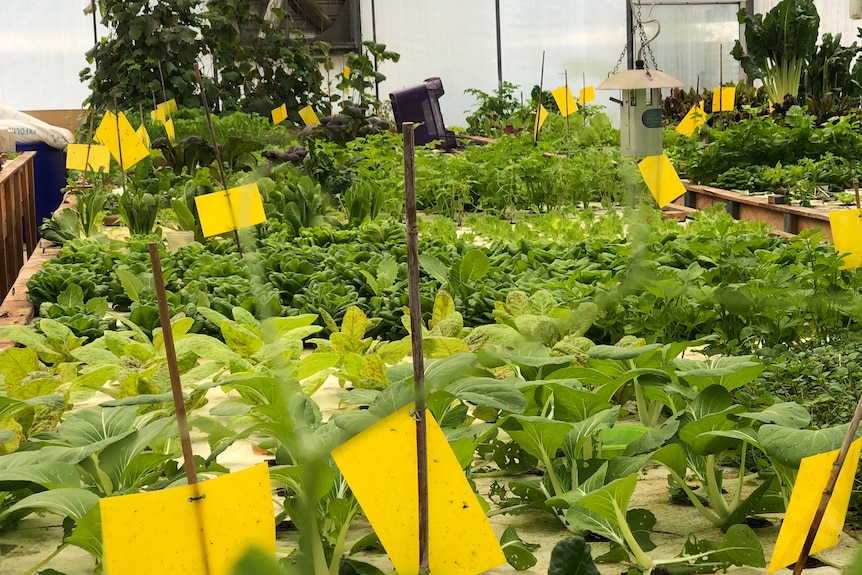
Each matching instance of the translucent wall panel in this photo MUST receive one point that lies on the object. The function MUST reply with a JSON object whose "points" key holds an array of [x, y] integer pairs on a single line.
{"points": [[695, 42], [456, 40], [834, 17], [42, 49]]}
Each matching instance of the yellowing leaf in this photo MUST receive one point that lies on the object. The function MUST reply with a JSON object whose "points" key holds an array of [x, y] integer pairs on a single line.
{"points": [[443, 306], [355, 323]]}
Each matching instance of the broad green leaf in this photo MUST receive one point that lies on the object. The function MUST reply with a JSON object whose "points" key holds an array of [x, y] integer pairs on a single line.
{"points": [[95, 355], [434, 268], [87, 533], [489, 392], [740, 546], [72, 297], [575, 404], [65, 501], [654, 438], [586, 520], [474, 266], [51, 475], [612, 500], [94, 424], [538, 436], [132, 284], [439, 373], [730, 372], [672, 456], [583, 430], [617, 352], [786, 414], [115, 458], [518, 553], [699, 437], [789, 446]]}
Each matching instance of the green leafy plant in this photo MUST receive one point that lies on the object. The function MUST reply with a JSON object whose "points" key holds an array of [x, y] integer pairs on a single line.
{"points": [[778, 45]]}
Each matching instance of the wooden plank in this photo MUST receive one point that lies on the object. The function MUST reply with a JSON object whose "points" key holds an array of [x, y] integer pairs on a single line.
{"points": [[6, 276], [30, 207]]}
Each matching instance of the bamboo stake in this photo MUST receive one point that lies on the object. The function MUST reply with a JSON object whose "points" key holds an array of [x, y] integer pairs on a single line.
{"points": [[539, 106], [568, 136], [120, 146], [856, 189], [89, 144], [173, 369], [720, 77], [416, 340], [830, 485], [162, 78], [221, 172]]}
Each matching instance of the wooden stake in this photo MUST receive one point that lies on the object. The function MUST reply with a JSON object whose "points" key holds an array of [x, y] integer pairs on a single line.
{"points": [[833, 479], [173, 369], [120, 146], [221, 172], [162, 78], [416, 340], [539, 106], [89, 143], [720, 76], [568, 136], [856, 189]]}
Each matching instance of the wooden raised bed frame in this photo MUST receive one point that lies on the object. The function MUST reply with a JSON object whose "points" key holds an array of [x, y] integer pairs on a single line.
{"points": [[17, 218]]}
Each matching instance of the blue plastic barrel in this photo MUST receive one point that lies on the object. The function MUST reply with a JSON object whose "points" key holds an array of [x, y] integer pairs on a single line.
{"points": [[49, 173]]}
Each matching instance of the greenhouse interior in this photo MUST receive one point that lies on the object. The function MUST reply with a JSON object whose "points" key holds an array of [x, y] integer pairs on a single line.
{"points": [[360, 287]]}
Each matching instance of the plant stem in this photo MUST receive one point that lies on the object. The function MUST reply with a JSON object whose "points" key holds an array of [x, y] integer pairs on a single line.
{"points": [[695, 500], [713, 490], [555, 481], [641, 558], [737, 497], [45, 561]]}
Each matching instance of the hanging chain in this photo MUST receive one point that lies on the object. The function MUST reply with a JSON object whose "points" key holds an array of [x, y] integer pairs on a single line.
{"points": [[642, 38]]}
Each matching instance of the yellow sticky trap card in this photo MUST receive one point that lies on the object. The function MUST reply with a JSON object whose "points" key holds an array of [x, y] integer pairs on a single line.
{"points": [[661, 179], [158, 115], [692, 121], [230, 210], [170, 106], [847, 236], [587, 95], [279, 114], [308, 116], [565, 101], [169, 129], [126, 142], [811, 482], [541, 116], [723, 99], [143, 135], [98, 159], [346, 72], [380, 463], [168, 531]]}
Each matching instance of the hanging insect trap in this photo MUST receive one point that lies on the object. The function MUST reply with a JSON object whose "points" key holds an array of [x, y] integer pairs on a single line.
{"points": [[640, 116]]}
